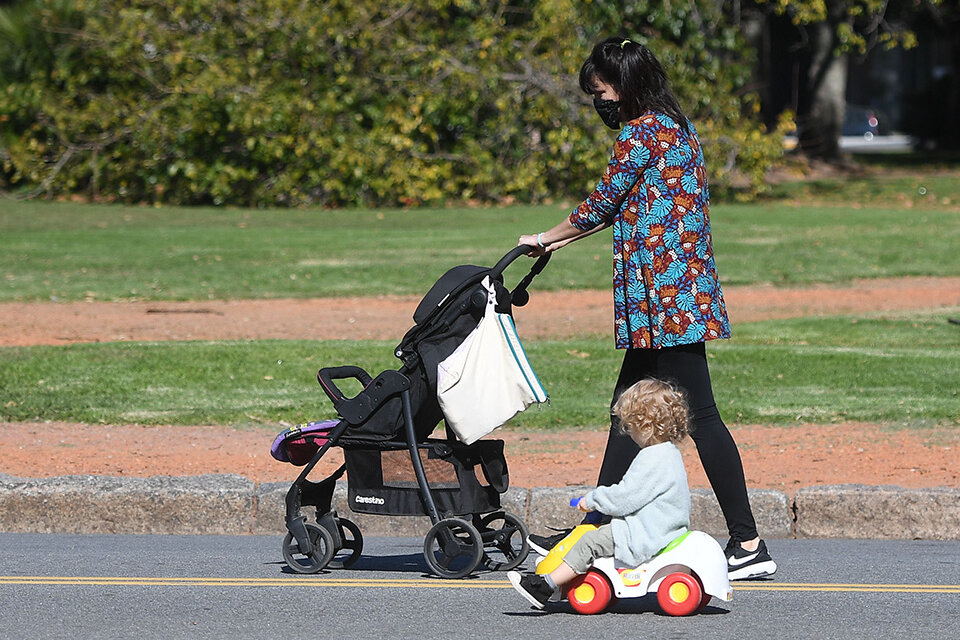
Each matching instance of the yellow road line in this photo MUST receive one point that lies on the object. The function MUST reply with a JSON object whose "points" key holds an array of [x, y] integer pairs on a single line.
{"points": [[870, 588], [252, 582], [323, 581]]}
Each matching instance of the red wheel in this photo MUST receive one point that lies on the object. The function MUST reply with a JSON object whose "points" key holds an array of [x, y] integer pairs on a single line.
{"points": [[590, 593], [705, 597], [704, 601], [679, 594]]}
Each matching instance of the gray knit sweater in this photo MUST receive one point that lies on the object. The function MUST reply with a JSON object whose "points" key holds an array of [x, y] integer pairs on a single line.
{"points": [[650, 505]]}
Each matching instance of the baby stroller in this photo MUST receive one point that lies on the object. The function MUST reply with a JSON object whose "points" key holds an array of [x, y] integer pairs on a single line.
{"points": [[393, 416]]}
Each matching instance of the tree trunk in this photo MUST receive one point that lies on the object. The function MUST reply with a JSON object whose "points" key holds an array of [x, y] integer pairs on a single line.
{"points": [[951, 137], [820, 111]]}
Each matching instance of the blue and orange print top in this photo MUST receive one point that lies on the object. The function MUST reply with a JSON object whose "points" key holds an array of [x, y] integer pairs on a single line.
{"points": [[654, 193]]}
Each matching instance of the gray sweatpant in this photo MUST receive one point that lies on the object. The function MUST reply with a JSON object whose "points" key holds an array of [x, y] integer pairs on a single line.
{"points": [[592, 545]]}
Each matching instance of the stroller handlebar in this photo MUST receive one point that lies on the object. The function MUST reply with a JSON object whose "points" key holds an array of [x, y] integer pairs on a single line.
{"points": [[519, 296], [505, 261]]}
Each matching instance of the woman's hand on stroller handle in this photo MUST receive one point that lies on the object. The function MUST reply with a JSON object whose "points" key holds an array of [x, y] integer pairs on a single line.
{"points": [[532, 242], [519, 295]]}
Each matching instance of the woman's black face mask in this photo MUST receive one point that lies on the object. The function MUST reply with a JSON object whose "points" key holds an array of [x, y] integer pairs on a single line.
{"points": [[609, 111]]}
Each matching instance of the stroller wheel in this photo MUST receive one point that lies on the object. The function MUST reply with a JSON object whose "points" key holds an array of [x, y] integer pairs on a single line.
{"points": [[352, 541], [318, 558], [453, 548], [504, 540]]}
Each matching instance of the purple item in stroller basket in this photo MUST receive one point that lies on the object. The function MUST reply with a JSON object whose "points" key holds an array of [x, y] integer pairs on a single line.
{"points": [[298, 444], [393, 464]]}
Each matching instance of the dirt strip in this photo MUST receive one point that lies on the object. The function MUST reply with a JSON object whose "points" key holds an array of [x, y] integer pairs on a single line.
{"points": [[549, 314], [781, 458]]}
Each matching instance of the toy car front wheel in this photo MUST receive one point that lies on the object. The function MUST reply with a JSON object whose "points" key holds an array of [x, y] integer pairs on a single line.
{"points": [[590, 593], [679, 594]]}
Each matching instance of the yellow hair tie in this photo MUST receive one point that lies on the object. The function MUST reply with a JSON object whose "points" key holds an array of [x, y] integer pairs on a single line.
{"points": [[624, 43]]}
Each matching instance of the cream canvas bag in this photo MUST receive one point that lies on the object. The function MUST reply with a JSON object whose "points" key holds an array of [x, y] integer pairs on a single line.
{"points": [[487, 380]]}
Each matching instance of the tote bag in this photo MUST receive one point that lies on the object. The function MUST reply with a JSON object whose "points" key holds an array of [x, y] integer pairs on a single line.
{"points": [[487, 380]]}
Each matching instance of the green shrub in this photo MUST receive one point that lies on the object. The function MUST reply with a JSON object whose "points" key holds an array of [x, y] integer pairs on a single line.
{"points": [[346, 102]]}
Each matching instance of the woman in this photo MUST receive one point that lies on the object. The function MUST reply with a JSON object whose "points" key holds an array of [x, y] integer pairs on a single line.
{"points": [[667, 298]]}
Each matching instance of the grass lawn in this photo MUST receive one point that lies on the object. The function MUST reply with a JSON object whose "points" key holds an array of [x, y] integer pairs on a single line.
{"points": [[883, 368], [896, 369], [65, 252]]}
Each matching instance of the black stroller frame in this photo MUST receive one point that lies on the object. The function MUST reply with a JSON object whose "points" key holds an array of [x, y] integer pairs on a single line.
{"points": [[467, 519]]}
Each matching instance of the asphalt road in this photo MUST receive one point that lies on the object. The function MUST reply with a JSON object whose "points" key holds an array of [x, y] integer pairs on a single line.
{"points": [[101, 586]]}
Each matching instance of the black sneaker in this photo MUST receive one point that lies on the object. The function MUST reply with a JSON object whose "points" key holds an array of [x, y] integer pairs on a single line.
{"points": [[543, 544], [532, 587], [745, 565]]}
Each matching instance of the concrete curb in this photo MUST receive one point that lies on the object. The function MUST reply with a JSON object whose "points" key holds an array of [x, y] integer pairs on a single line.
{"points": [[102, 504], [860, 511], [232, 504]]}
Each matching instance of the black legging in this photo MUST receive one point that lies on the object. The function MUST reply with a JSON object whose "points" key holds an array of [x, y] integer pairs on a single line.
{"points": [[686, 365]]}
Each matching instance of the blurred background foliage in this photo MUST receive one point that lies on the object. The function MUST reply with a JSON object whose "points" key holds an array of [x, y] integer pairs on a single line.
{"points": [[348, 102]]}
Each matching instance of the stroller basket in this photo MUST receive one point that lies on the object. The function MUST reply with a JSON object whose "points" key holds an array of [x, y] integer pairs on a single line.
{"points": [[463, 479]]}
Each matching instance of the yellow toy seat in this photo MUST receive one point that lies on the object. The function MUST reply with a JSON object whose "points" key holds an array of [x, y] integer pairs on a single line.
{"points": [[557, 554]]}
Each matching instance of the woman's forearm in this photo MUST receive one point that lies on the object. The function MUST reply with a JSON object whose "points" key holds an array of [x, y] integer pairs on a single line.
{"points": [[584, 234], [557, 237]]}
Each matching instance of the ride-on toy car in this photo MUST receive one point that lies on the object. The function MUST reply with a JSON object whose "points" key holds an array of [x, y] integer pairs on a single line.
{"points": [[685, 575]]}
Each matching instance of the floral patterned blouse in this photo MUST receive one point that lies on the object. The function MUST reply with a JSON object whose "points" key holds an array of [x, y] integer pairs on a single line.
{"points": [[654, 193]]}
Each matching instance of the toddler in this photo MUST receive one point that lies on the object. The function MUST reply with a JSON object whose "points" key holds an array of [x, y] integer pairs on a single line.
{"points": [[648, 508]]}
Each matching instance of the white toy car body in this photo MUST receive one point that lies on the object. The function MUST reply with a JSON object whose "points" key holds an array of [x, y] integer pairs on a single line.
{"points": [[685, 576]]}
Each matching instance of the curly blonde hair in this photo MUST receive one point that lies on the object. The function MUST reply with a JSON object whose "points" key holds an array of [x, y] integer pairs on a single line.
{"points": [[653, 411]]}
